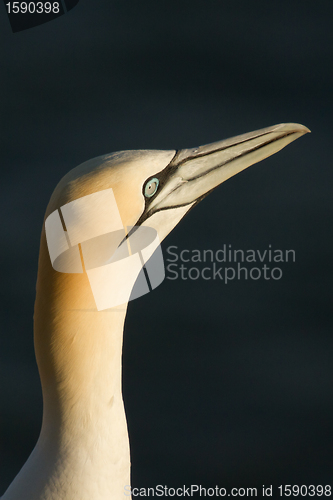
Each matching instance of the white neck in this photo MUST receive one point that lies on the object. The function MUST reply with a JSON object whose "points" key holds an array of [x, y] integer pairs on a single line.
{"points": [[83, 449]]}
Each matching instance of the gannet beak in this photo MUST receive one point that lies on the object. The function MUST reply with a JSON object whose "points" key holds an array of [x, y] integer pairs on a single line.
{"points": [[194, 173]]}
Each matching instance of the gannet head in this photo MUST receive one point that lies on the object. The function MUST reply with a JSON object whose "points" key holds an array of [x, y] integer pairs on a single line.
{"points": [[157, 188], [98, 206], [105, 200]]}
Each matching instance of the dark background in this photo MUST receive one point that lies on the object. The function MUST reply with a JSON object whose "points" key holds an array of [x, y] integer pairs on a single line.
{"points": [[223, 384]]}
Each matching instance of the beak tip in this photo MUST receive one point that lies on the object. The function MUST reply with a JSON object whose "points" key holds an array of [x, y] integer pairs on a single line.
{"points": [[304, 129], [295, 127]]}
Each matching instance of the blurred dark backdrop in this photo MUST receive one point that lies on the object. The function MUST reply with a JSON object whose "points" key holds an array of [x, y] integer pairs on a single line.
{"points": [[223, 384]]}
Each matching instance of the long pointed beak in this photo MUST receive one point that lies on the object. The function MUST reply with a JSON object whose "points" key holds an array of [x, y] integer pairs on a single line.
{"points": [[193, 173]]}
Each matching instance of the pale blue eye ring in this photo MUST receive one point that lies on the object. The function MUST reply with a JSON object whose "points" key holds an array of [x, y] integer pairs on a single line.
{"points": [[151, 187]]}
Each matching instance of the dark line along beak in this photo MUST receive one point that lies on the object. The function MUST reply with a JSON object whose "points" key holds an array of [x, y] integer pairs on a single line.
{"points": [[193, 173]]}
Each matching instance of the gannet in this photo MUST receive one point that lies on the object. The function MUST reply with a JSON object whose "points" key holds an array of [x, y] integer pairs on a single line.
{"points": [[83, 449]]}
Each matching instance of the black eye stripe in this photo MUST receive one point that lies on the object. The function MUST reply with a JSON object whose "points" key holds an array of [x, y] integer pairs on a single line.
{"points": [[162, 178]]}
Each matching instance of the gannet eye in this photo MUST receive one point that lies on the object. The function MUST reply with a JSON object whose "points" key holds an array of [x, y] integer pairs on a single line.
{"points": [[151, 187]]}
